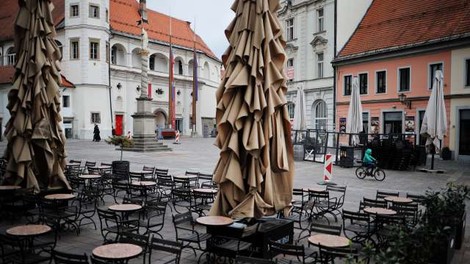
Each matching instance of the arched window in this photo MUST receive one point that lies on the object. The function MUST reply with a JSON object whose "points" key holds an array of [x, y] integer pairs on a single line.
{"points": [[320, 113]]}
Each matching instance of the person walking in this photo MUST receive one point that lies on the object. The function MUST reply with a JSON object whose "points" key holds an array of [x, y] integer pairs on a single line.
{"points": [[96, 134]]}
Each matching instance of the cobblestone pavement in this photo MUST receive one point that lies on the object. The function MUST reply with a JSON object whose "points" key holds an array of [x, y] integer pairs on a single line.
{"points": [[199, 154]]}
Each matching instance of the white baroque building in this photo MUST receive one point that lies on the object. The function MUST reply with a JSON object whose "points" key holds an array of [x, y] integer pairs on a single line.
{"points": [[309, 32], [100, 42]]}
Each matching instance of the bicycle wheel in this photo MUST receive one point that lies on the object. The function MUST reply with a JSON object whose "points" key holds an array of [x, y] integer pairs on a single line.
{"points": [[361, 173], [379, 174]]}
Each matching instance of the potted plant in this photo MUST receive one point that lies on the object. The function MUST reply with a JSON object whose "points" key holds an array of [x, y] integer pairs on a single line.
{"points": [[121, 141]]}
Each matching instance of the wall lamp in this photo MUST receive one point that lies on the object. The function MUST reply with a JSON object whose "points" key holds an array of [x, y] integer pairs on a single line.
{"points": [[179, 92], [403, 100], [119, 86], [138, 88], [159, 91]]}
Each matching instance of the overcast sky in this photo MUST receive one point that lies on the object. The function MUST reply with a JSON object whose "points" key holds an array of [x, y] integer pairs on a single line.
{"points": [[211, 16]]}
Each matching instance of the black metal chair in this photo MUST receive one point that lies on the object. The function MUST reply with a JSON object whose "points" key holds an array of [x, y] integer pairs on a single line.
{"points": [[329, 254], [201, 203], [409, 211], [194, 182], [230, 247], [338, 193], [380, 195], [111, 224], [252, 260], [206, 181], [357, 226], [323, 204], [366, 202], [296, 252], [162, 245], [60, 257], [323, 229], [136, 239], [185, 232], [181, 199], [301, 207], [87, 202], [155, 217]]}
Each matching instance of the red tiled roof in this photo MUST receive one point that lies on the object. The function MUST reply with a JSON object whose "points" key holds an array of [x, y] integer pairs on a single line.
{"points": [[7, 73], [9, 9], [393, 24], [124, 15]]}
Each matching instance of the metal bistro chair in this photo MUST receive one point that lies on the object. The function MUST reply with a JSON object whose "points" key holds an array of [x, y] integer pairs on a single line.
{"points": [[60, 257], [357, 226], [162, 245], [329, 254], [111, 224], [155, 217], [136, 239], [366, 202], [297, 252], [206, 181], [380, 195], [186, 234]]}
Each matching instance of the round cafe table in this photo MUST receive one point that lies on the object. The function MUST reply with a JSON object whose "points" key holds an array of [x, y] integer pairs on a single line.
{"points": [[9, 187], [379, 211], [28, 230], [125, 207], [90, 176], [212, 220], [205, 190], [144, 183], [60, 196], [329, 240], [397, 199], [118, 252]]}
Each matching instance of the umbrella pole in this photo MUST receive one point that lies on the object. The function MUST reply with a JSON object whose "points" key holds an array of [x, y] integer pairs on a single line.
{"points": [[432, 160]]}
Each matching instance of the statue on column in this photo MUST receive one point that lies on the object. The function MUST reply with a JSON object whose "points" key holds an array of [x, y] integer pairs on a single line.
{"points": [[145, 39]]}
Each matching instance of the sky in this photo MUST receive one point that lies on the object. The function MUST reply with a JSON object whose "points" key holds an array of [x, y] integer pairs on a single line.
{"points": [[210, 16]]}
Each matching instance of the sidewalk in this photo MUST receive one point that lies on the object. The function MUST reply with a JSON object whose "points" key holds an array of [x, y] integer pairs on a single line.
{"points": [[199, 154]]}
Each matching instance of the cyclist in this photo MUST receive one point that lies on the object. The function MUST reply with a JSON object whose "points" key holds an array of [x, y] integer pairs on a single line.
{"points": [[369, 161]]}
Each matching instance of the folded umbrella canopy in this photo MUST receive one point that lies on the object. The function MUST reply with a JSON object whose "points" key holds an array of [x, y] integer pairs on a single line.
{"points": [[255, 169], [299, 111], [354, 120], [35, 151], [434, 126]]}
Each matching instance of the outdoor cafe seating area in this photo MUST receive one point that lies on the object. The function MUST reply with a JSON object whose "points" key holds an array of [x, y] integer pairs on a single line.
{"points": [[150, 215]]}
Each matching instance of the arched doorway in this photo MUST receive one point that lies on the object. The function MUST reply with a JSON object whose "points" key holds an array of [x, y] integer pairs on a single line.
{"points": [[160, 118], [320, 114]]}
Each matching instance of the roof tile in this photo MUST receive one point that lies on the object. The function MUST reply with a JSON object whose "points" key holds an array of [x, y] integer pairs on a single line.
{"points": [[400, 23]]}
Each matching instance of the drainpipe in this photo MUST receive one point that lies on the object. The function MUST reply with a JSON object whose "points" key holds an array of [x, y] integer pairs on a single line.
{"points": [[334, 74], [109, 83]]}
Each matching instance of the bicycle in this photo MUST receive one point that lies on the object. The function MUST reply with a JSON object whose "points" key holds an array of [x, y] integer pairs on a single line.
{"points": [[377, 173]]}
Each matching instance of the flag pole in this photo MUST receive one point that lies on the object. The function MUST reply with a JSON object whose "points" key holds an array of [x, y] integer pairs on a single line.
{"points": [[171, 81], [195, 84]]}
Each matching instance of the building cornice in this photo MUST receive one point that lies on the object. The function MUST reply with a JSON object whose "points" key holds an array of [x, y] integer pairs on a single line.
{"points": [[412, 99]]}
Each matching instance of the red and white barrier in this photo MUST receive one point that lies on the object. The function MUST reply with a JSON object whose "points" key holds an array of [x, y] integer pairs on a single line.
{"points": [[328, 168], [177, 137]]}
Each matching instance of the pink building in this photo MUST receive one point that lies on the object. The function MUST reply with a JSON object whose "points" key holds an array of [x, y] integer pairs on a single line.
{"points": [[394, 53]]}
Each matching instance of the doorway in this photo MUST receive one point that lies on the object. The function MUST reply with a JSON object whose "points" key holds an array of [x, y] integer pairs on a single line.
{"points": [[464, 132], [119, 119], [393, 123]]}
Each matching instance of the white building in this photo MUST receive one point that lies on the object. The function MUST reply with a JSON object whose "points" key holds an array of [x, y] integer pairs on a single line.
{"points": [[101, 41], [309, 32]]}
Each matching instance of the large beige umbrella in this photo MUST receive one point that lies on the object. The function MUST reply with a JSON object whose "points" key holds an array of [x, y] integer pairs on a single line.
{"points": [[255, 169], [354, 121], [35, 151]]}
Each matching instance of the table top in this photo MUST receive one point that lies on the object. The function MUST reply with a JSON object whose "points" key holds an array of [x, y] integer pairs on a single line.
{"points": [[59, 196], [9, 187], [379, 211], [397, 199], [141, 172], [143, 183], [125, 207], [213, 220], [101, 167], [205, 190], [315, 189], [28, 230], [117, 251], [329, 240], [89, 176], [185, 176]]}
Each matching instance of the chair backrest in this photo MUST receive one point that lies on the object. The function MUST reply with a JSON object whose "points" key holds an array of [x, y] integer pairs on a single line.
{"points": [[161, 172], [206, 180], [318, 195], [366, 202], [148, 168], [326, 229], [107, 217], [196, 173], [90, 164], [156, 208], [252, 260], [276, 248], [417, 198], [183, 218], [353, 217], [382, 194], [78, 162], [330, 253], [68, 258], [409, 211], [336, 188], [121, 169], [172, 247], [136, 239], [106, 164]]}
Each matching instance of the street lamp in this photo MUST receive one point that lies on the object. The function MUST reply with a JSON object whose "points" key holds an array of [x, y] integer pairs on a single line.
{"points": [[403, 100]]}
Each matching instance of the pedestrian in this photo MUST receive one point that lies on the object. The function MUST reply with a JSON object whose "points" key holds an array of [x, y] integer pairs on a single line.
{"points": [[129, 135], [369, 161], [96, 134]]}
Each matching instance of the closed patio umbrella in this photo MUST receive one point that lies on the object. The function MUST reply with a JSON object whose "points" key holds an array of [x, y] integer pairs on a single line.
{"points": [[354, 119], [299, 112], [255, 169], [434, 126], [35, 151]]}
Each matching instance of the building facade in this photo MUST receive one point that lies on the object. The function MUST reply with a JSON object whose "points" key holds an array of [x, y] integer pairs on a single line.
{"points": [[101, 43], [309, 32], [395, 56]]}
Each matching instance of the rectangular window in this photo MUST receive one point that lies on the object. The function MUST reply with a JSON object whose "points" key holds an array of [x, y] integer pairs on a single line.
{"points": [[404, 79], [290, 29], [320, 65], [363, 83], [94, 50], [365, 124], [74, 10], [107, 15], [66, 101], [381, 77], [95, 118], [347, 84], [467, 72], [321, 26], [113, 55], [432, 72], [74, 49], [94, 11], [107, 51]]}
